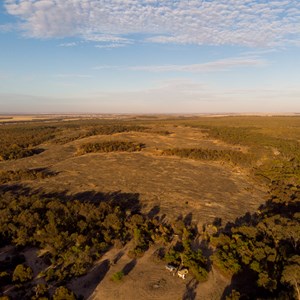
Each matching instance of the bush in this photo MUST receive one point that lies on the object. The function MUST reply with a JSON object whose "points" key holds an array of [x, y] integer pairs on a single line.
{"points": [[118, 276], [22, 273], [62, 293]]}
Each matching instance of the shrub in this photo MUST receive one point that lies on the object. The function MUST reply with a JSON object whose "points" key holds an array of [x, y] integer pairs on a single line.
{"points": [[22, 273], [62, 293], [118, 276]]}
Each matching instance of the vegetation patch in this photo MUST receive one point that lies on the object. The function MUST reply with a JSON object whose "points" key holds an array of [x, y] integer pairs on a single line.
{"points": [[264, 247], [118, 276], [84, 130], [25, 174], [21, 141], [183, 255], [110, 146], [231, 156]]}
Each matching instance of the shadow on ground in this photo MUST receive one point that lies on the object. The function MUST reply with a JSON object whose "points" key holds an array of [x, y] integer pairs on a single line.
{"points": [[85, 288]]}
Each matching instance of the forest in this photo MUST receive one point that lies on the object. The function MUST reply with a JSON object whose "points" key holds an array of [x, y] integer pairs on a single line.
{"points": [[259, 250]]}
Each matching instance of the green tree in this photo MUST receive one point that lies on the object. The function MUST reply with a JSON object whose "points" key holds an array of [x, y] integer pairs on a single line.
{"points": [[62, 293], [40, 290], [22, 273], [291, 275]]}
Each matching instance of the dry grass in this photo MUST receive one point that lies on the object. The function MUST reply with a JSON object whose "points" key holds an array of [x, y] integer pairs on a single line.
{"points": [[176, 186]]}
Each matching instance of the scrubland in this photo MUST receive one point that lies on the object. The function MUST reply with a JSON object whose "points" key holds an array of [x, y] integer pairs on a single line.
{"points": [[95, 208]]}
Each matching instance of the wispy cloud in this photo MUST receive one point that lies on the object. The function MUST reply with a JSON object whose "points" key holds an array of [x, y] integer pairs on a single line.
{"points": [[236, 22], [218, 65], [110, 46], [72, 76], [99, 37], [7, 27], [71, 44], [109, 67]]}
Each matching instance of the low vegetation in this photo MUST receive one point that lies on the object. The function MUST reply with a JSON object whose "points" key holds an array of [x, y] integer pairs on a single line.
{"points": [[84, 130], [110, 146], [24, 174], [118, 276], [20, 141], [230, 156]]}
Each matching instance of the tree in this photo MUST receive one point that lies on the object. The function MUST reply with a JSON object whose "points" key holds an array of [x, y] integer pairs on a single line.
{"points": [[40, 290], [291, 275], [22, 273], [62, 293]]}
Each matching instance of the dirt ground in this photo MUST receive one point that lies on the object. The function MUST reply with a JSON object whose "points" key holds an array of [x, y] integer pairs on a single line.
{"points": [[145, 278], [173, 186]]}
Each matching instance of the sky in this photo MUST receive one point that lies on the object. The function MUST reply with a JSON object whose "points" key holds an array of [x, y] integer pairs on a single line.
{"points": [[149, 56]]}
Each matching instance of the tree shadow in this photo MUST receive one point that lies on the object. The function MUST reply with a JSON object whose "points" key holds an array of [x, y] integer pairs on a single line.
{"points": [[283, 203], [207, 252], [217, 222], [86, 285], [129, 267], [125, 201], [118, 257], [245, 283], [36, 151], [191, 290], [187, 220], [154, 211]]}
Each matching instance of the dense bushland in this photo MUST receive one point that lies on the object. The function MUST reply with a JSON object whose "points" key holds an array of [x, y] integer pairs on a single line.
{"points": [[72, 234], [264, 247], [110, 146], [20, 141]]}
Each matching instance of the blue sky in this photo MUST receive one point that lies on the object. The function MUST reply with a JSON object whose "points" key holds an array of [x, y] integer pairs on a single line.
{"points": [[149, 56]]}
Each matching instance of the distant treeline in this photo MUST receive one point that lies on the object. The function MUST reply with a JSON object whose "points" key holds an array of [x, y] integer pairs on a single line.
{"points": [[232, 156], [110, 146]]}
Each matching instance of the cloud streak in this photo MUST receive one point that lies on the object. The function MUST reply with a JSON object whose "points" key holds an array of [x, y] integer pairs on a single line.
{"points": [[232, 22], [218, 65], [72, 76]]}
